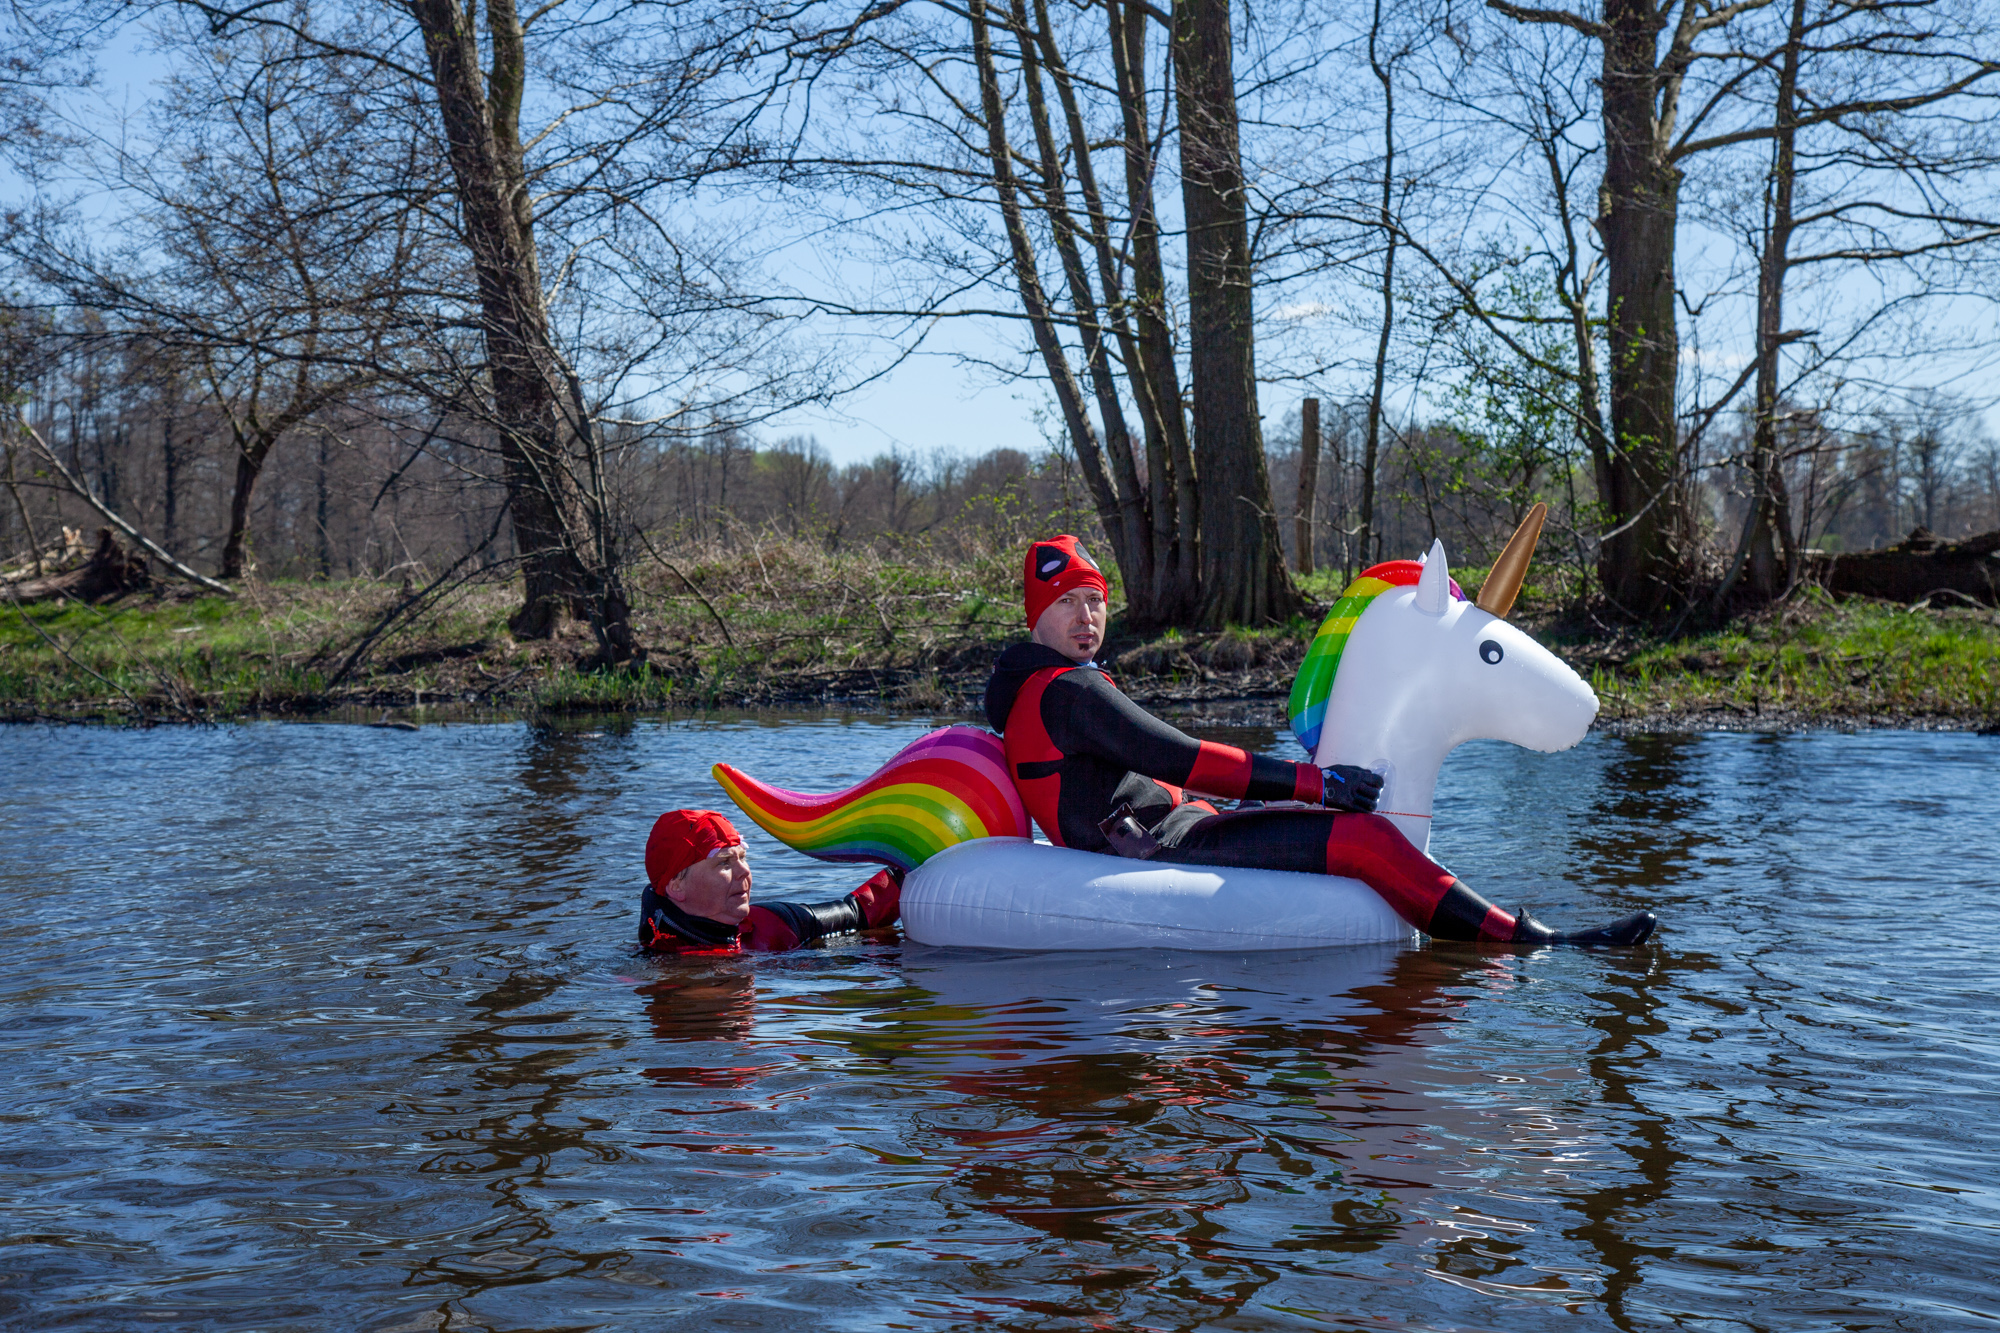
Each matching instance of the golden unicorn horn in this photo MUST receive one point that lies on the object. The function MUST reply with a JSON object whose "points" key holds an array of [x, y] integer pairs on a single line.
{"points": [[1503, 585]]}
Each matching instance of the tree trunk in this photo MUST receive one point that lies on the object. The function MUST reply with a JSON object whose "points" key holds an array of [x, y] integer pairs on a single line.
{"points": [[1303, 515], [1913, 569], [1134, 542], [1639, 481], [255, 436], [1371, 445], [1767, 552], [1034, 299], [542, 426], [250, 456], [1243, 578], [1155, 377], [170, 461], [1773, 547], [20, 504], [112, 571]]}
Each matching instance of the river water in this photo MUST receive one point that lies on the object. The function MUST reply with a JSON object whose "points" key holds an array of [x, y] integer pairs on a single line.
{"points": [[319, 1026]]}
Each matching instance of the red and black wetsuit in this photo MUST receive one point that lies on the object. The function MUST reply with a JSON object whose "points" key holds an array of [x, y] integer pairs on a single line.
{"points": [[1077, 747], [770, 927]]}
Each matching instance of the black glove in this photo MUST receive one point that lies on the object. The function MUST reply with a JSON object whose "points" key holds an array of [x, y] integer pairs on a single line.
{"points": [[1351, 788]]}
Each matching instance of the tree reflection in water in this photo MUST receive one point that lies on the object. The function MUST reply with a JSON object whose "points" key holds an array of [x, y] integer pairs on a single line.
{"points": [[1187, 1135]]}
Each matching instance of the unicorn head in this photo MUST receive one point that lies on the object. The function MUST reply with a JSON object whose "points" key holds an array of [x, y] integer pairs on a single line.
{"points": [[1405, 670]]}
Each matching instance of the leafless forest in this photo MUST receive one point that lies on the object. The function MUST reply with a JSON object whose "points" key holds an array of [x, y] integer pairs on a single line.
{"points": [[417, 289]]}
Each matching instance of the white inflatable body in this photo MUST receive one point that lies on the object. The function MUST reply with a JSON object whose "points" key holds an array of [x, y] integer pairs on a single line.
{"points": [[1013, 893]]}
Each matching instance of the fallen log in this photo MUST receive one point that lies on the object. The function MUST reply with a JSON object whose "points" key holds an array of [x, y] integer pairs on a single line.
{"points": [[111, 570], [36, 564], [145, 543], [1920, 566]]}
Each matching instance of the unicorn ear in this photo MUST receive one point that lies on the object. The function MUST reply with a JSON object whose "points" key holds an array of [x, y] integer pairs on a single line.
{"points": [[1434, 588]]}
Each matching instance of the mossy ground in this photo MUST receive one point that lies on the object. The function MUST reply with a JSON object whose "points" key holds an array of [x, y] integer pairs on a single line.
{"points": [[1813, 661], [784, 622]]}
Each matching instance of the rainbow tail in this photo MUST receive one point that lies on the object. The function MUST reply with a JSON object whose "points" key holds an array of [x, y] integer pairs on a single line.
{"points": [[945, 788]]}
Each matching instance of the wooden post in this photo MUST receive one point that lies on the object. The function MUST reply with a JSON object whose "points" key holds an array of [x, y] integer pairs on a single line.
{"points": [[1302, 523]]}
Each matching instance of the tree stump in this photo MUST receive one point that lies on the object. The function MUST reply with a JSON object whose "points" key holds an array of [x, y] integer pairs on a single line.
{"points": [[111, 571]]}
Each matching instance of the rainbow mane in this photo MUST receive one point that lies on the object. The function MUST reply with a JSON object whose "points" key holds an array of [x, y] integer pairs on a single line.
{"points": [[944, 788], [1314, 684]]}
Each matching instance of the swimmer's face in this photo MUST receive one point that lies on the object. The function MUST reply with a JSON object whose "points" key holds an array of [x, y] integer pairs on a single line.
{"points": [[715, 888], [1074, 624]]}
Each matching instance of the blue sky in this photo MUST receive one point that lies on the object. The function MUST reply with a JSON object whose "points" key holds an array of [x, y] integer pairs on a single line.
{"points": [[937, 400]]}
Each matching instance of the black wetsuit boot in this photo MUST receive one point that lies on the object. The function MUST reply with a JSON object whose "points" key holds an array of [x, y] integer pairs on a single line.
{"points": [[1623, 933]]}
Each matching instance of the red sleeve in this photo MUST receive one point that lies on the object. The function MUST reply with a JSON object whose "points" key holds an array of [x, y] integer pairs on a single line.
{"points": [[1219, 770], [1309, 785], [880, 899]]}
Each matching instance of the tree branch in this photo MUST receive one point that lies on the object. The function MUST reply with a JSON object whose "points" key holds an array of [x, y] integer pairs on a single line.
{"points": [[1559, 17]]}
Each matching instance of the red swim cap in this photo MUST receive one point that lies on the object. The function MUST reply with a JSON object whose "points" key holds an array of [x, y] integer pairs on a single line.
{"points": [[682, 837], [1053, 568]]}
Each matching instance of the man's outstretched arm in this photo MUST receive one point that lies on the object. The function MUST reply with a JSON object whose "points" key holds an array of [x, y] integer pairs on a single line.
{"points": [[1085, 713], [775, 927]]}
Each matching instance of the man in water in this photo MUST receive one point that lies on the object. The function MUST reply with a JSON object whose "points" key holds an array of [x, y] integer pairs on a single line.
{"points": [[697, 895], [1100, 773]]}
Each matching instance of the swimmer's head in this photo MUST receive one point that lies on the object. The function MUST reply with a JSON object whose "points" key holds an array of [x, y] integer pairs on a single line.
{"points": [[697, 859]]}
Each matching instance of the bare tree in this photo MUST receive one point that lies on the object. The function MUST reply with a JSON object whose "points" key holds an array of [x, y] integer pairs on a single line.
{"points": [[1371, 446], [1884, 187], [1640, 477], [1001, 124], [1150, 523], [269, 262], [1243, 576], [1676, 84], [548, 443], [1172, 492], [630, 312]]}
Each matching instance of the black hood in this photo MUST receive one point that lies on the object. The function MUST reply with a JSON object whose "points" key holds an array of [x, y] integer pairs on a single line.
{"points": [[1011, 672]]}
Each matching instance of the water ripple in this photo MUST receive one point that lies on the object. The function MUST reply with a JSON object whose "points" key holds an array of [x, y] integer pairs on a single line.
{"points": [[324, 1026]]}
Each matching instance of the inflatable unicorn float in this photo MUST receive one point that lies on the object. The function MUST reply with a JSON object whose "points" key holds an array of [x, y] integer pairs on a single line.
{"points": [[1403, 671]]}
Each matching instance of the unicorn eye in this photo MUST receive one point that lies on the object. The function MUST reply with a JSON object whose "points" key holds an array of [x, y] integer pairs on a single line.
{"points": [[1491, 652]]}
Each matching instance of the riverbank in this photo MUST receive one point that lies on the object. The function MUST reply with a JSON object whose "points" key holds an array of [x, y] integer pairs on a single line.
{"points": [[784, 624]]}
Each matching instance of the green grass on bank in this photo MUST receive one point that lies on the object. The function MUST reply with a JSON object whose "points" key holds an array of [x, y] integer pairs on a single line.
{"points": [[1816, 659], [782, 622], [272, 649], [776, 620]]}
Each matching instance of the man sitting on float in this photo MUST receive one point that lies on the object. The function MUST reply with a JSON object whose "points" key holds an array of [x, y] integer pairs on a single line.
{"points": [[1099, 773]]}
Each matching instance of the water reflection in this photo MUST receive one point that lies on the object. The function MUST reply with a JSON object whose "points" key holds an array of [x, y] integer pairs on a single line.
{"points": [[698, 1002], [1647, 816], [1651, 830], [1147, 1117], [561, 778]]}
